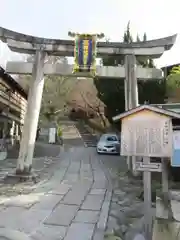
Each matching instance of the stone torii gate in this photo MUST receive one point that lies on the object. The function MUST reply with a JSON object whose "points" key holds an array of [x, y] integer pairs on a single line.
{"points": [[43, 47]]}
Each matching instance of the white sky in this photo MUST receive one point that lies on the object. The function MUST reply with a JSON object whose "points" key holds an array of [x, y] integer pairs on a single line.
{"points": [[53, 19]]}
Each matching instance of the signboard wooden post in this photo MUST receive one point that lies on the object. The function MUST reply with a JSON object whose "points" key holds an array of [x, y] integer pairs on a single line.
{"points": [[146, 132]]}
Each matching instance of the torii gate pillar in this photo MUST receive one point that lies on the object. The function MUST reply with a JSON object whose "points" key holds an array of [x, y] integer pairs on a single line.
{"points": [[131, 95], [24, 163]]}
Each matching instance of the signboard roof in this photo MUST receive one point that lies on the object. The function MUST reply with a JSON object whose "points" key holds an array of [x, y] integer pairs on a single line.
{"points": [[146, 107]]}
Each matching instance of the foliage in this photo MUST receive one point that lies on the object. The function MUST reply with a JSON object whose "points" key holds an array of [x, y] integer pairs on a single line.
{"points": [[175, 70], [173, 80], [107, 88], [56, 90], [111, 236], [59, 131], [95, 106], [55, 95], [111, 90]]}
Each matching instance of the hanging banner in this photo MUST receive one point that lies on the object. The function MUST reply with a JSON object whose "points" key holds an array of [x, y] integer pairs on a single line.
{"points": [[85, 53]]}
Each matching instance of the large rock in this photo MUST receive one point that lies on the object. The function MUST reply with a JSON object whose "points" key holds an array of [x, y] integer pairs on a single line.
{"points": [[137, 228], [134, 211]]}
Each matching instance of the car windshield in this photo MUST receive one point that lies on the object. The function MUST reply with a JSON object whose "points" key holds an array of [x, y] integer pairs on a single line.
{"points": [[108, 138], [111, 138]]}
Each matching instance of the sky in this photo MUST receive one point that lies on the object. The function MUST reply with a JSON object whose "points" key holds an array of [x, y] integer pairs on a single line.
{"points": [[53, 19]]}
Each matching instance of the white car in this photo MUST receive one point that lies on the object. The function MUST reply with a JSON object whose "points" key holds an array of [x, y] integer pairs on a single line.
{"points": [[109, 144]]}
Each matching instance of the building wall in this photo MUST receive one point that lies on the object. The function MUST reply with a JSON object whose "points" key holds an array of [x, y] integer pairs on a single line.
{"points": [[12, 101]]}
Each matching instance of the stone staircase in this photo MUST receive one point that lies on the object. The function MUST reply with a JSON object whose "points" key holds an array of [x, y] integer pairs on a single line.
{"points": [[89, 138]]}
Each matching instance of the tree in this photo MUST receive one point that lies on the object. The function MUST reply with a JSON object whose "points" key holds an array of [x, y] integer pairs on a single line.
{"points": [[127, 35], [95, 105], [56, 90], [144, 37], [175, 70], [138, 38], [173, 84], [111, 90], [84, 100], [55, 96], [111, 93]]}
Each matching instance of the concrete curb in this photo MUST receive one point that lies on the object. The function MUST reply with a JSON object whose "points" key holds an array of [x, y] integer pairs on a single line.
{"points": [[102, 223], [10, 234]]}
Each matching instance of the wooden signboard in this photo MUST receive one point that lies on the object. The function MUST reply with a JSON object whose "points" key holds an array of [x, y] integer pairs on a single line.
{"points": [[146, 133]]}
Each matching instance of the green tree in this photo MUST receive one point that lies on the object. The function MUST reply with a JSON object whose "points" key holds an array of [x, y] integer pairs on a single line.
{"points": [[138, 38], [173, 81], [127, 35], [175, 70], [144, 37], [111, 90]]}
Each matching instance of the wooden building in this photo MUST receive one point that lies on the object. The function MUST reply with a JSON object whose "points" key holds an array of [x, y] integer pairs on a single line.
{"points": [[13, 103]]}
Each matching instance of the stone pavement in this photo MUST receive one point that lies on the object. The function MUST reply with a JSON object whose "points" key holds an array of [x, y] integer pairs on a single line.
{"points": [[73, 204]]}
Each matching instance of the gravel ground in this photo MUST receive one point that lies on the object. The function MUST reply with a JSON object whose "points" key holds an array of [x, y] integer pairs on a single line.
{"points": [[43, 168], [126, 219]]}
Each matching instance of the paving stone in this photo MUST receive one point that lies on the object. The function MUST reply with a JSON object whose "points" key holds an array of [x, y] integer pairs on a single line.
{"points": [[48, 202], [74, 167], [80, 231], [72, 177], [62, 215], [62, 189], [76, 195], [97, 191], [22, 200], [47, 232], [85, 216], [25, 221], [10, 215], [30, 220], [93, 202], [100, 185], [9, 234]]}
